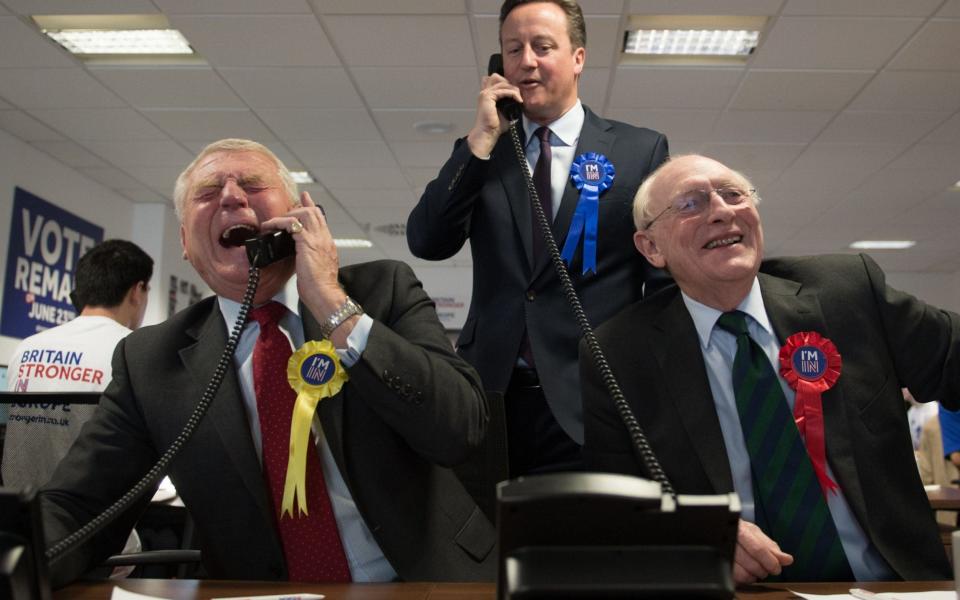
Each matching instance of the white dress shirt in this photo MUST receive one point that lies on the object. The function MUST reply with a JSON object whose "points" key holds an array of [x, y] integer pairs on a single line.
{"points": [[564, 136]]}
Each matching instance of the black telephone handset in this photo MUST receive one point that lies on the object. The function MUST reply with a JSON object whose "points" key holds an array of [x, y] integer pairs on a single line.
{"points": [[269, 248], [508, 107]]}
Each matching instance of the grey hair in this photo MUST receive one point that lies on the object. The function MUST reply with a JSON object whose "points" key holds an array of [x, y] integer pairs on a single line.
{"points": [[232, 145]]}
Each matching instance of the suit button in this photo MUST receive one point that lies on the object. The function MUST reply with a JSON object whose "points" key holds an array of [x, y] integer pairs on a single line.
{"points": [[386, 375], [531, 295]]}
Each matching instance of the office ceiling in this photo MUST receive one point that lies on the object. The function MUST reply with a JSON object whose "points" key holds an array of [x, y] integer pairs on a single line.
{"points": [[847, 117]]}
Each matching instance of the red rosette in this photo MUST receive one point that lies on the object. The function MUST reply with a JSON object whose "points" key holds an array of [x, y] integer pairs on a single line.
{"points": [[811, 364]]}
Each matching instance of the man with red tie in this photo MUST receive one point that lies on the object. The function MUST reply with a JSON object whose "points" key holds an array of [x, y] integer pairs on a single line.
{"points": [[371, 497]]}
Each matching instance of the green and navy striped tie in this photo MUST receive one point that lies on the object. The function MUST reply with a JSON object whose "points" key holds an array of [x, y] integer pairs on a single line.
{"points": [[789, 503]]}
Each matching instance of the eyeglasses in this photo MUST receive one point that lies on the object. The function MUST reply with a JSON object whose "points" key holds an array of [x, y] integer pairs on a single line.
{"points": [[695, 202]]}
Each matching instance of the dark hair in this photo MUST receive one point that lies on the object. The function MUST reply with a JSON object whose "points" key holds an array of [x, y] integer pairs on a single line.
{"points": [[576, 28], [107, 271]]}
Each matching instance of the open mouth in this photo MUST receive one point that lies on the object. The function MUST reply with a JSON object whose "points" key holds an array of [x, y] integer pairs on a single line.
{"points": [[727, 241], [236, 235]]}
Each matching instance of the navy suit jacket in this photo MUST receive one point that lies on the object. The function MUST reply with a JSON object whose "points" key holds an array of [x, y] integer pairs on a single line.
{"points": [[887, 340], [486, 202]]}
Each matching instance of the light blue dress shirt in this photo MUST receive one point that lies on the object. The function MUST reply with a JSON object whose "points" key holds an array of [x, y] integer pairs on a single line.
{"points": [[564, 135], [364, 556], [719, 348]]}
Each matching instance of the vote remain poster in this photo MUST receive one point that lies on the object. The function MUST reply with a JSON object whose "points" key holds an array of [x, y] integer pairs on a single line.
{"points": [[45, 244]]}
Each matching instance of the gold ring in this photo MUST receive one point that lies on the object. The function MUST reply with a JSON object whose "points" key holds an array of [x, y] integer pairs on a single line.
{"points": [[297, 226]]}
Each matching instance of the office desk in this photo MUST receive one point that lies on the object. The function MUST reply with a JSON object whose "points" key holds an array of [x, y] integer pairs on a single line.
{"points": [[204, 590], [944, 497]]}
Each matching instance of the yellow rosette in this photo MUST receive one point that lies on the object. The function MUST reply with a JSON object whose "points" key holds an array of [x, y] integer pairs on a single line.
{"points": [[314, 373]]}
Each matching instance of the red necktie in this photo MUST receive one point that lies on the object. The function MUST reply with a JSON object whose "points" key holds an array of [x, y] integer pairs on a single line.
{"points": [[311, 543]]}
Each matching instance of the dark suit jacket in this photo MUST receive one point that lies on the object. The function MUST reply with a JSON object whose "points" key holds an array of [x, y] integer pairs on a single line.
{"points": [[487, 202], [411, 409], [887, 340]]}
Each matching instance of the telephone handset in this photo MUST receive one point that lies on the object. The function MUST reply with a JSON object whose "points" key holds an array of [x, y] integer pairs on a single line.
{"points": [[509, 107], [269, 248]]}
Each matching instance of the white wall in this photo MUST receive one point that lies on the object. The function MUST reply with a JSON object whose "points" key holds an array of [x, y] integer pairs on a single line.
{"points": [[152, 226]]}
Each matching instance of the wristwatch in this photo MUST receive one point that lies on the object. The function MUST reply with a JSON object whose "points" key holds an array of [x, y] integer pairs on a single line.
{"points": [[346, 310]]}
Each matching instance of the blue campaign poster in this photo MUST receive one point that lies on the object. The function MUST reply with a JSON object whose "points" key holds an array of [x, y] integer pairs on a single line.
{"points": [[45, 243]]}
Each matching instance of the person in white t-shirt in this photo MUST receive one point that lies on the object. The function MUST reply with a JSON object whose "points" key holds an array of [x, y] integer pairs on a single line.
{"points": [[112, 281]]}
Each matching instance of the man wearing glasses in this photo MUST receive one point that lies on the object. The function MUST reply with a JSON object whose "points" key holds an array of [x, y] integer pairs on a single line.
{"points": [[779, 380]]}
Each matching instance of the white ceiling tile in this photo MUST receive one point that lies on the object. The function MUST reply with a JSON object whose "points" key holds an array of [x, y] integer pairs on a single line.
{"points": [[769, 126], [25, 127], [375, 198], [258, 40], [862, 8], [209, 125], [54, 88], [82, 7], [589, 7], [227, 7], [5, 105], [951, 8], [646, 87], [111, 177], [142, 195], [352, 178], [833, 43], [70, 153], [798, 90], [142, 153], [881, 126], [23, 46], [402, 40], [907, 185], [158, 178], [911, 90], [603, 42], [677, 125], [83, 124], [320, 124], [704, 7], [930, 156], [293, 87], [422, 154], [948, 132], [486, 38], [398, 124], [169, 87], [857, 160], [418, 87], [360, 7], [318, 155], [935, 47], [750, 158]]}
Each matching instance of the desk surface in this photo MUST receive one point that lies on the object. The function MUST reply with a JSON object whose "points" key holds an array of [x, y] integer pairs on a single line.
{"points": [[944, 497], [204, 590]]}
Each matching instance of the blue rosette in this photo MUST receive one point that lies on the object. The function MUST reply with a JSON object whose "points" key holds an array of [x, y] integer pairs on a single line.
{"points": [[592, 173]]}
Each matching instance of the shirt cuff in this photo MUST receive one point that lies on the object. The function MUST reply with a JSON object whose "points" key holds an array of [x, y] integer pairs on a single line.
{"points": [[356, 341]]}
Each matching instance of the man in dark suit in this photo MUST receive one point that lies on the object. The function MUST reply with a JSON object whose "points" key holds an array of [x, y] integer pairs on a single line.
{"points": [[521, 333], [710, 400], [376, 468]]}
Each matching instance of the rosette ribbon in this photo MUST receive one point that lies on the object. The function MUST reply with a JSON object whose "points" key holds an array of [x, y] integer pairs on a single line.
{"points": [[810, 363], [592, 173], [314, 373]]}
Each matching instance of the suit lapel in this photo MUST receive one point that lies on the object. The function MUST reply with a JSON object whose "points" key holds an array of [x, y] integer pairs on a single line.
{"points": [[685, 375], [226, 412], [792, 310], [595, 136], [515, 188]]}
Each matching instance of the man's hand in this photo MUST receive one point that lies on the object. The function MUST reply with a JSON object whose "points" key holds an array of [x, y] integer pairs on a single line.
{"points": [[317, 263], [490, 124], [757, 556]]}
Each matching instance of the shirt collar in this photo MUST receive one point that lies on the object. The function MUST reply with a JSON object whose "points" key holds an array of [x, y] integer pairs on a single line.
{"points": [[705, 317], [287, 296], [566, 128]]}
